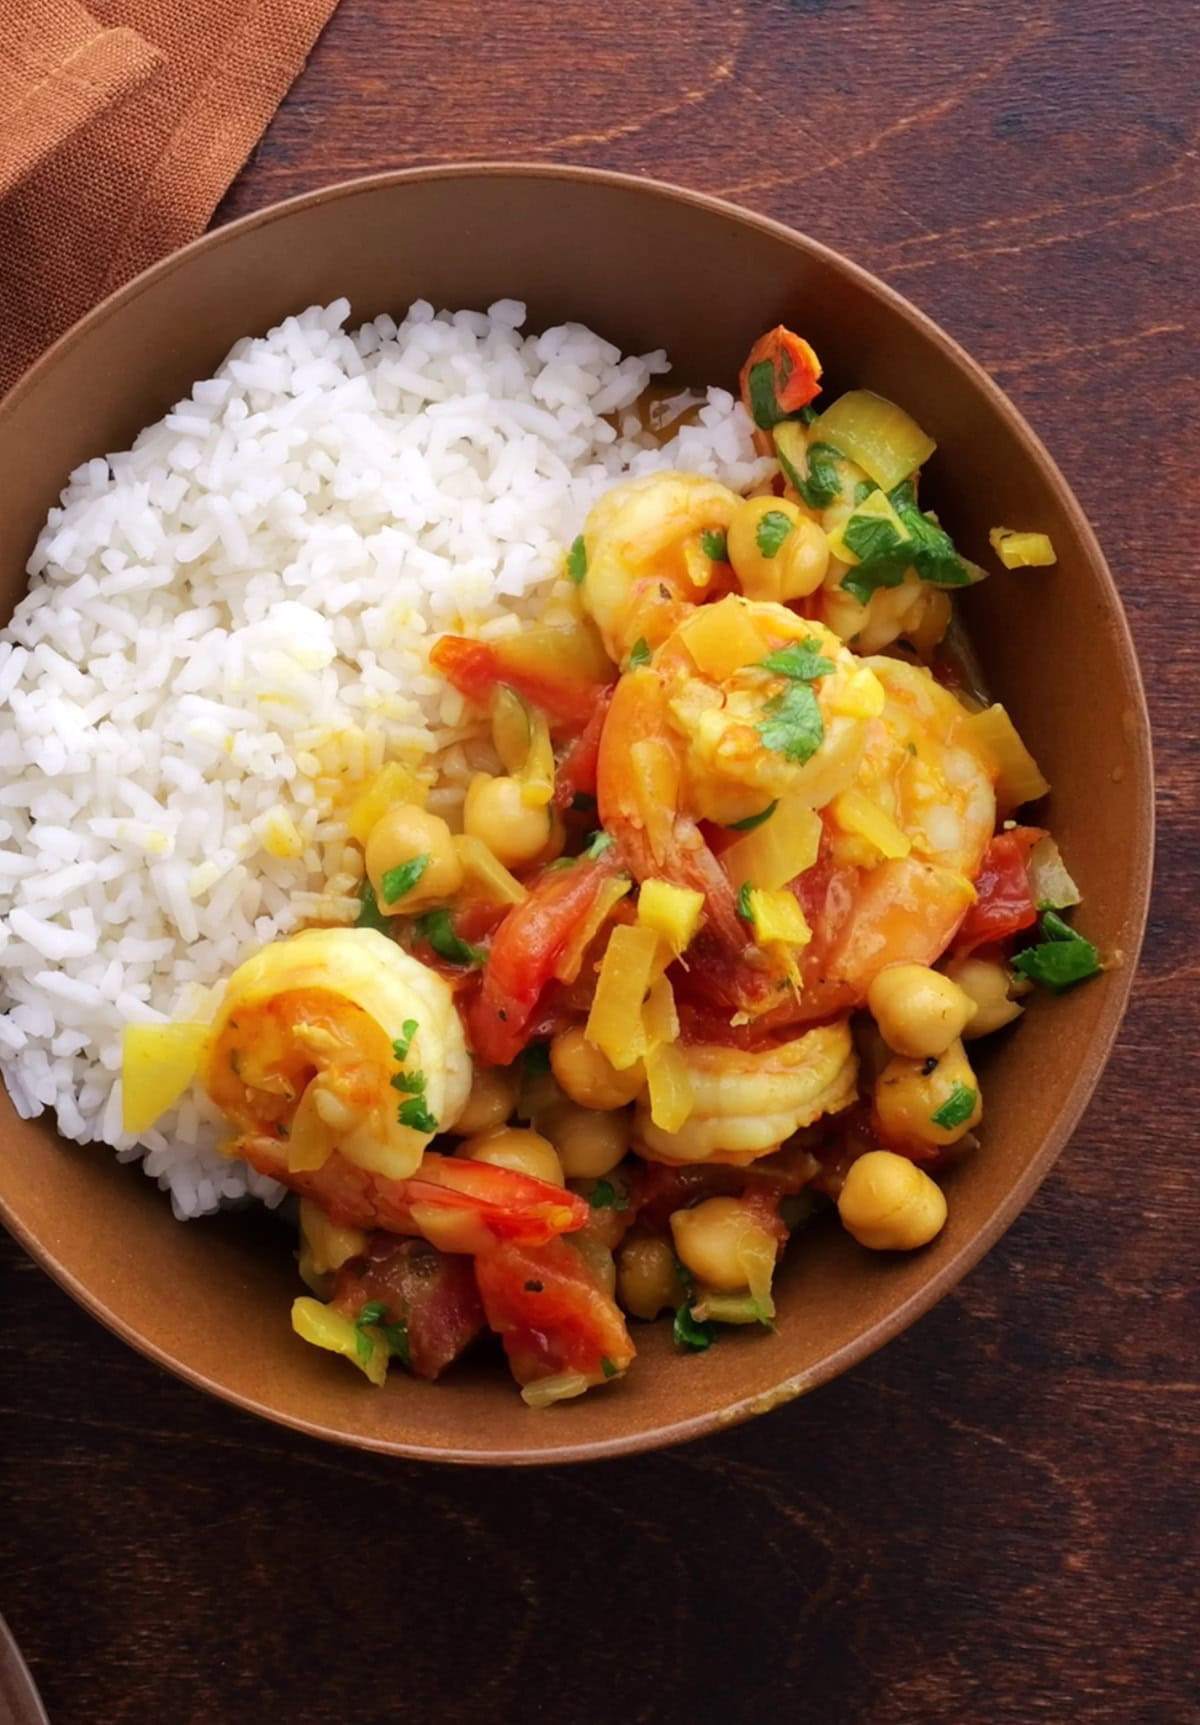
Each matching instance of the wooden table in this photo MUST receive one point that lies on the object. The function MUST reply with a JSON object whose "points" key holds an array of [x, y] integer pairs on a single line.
{"points": [[994, 1520]]}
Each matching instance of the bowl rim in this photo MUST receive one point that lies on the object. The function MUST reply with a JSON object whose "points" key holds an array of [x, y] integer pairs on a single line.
{"points": [[1083, 1085]]}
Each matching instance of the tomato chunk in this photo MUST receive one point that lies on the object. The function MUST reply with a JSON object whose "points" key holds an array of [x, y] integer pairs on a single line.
{"points": [[526, 947], [432, 1294], [551, 1313], [1004, 903], [564, 684], [794, 377]]}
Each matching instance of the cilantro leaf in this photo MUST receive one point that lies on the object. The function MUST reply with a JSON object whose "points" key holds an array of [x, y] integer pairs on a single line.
{"points": [[606, 1196], [607, 1367], [370, 916], [933, 555], [1061, 958], [760, 386], [403, 1043], [821, 484], [802, 661], [577, 560], [395, 1336], [773, 528], [743, 902], [956, 1109], [598, 843], [639, 655], [416, 1115], [437, 928], [752, 821], [412, 1083], [404, 877], [689, 1334], [792, 724], [715, 546], [863, 490]]}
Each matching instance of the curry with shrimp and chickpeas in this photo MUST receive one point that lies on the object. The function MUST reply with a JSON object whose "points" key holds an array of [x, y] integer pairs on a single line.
{"points": [[700, 954]]}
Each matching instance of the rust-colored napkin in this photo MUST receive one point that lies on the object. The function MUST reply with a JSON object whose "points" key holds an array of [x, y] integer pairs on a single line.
{"points": [[121, 125]]}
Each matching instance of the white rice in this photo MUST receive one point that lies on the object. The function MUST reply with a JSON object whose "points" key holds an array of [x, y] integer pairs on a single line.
{"points": [[228, 618]]}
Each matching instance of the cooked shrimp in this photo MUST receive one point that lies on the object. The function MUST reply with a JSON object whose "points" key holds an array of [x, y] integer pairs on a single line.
{"points": [[646, 561], [747, 1101], [336, 1038], [702, 734]]}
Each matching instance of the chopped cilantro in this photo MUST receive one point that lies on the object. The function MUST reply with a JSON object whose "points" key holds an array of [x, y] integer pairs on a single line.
{"points": [[802, 661], [404, 877], [934, 557], [863, 490], [715, 546], [370, 916], [597, 843], [577, 560], [821, 484], [743, 902], [773, 528], [639, 655], [1060, 959], [752, 821], [807, 415], [606, 1196], [411, 1083], [957, 1109], [689, 1334], [395, 1336], [792, 724], [415, 1115], [884, 555], [403, 1042], [536, 1057], [437, 928], [607, 1367], [764, 407]]}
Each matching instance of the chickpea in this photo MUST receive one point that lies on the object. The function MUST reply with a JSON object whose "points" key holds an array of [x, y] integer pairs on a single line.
{"points": [[919, 1012], [404, 833], [516, 1148], [910, 1092], [491, 1101], [718, 1240], [759, 556], [589, 1144], [889, 1204], [515, 832], [804, 558], [589, 1077], [646, 1279], [987, 984]]}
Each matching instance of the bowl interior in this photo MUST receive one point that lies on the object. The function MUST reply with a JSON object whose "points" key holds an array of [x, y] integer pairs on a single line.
{"points": [[648, 267]]}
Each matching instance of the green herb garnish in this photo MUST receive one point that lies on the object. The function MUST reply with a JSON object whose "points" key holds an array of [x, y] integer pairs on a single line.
{"points": [[436, 927], [792, 725], [403, 1042], [1061, 958], [415, 1115], [773, 528], [821, 484], [689, 1334], [956, 1109], [404, 877], [607, 1367], [370, 916], [411, 1083], [743, 902], [395, 1336], [577, 560], [606, 1196], [863, 490], [803, 661], [639, 655], [934, 557], [752, 821], [885, 555], [760, 386], [715, 545], [597, 843]]}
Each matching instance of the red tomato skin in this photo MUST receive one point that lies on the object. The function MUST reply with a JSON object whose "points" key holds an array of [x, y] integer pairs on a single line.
{"points": [[1004, 903], [432, 1293], [551, 1313]]}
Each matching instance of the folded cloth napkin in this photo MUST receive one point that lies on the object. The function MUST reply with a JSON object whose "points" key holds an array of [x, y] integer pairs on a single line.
{"points": [[121, 125]]}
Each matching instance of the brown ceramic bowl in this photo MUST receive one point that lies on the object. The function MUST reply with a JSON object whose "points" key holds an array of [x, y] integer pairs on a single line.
{"points": [[649, 266]]}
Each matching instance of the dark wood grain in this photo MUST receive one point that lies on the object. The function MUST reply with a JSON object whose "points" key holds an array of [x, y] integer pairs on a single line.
{"points": [[996, 1519]]}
